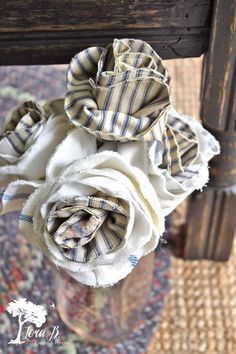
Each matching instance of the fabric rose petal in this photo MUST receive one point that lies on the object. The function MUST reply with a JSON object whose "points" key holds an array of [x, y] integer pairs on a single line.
{"points": [[118, 93], [183, 168], [30, 135], [94, 217], [177, 162]]}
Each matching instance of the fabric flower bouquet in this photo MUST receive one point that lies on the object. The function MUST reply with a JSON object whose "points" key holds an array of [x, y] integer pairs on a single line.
{"points": [[94, 175]]}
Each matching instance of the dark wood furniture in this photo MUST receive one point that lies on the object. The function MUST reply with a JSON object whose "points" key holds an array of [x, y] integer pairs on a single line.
{"points": [[51, 32]]}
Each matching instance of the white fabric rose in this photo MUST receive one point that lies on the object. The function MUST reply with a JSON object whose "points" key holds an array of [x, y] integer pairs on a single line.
{"points": [[30, 135], [177, 162], [94, 216]]}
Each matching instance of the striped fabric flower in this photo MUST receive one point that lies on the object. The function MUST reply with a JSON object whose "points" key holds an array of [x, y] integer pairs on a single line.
{"points": [[94, 216], [118, 93], [30, 135], [176, 162], [22, 127], [179, 165]]}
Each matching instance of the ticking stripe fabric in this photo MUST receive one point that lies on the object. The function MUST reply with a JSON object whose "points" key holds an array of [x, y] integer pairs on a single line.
{"points": [[22, 127], [180, 165], [180, 148], [30, 136], [86, 228], [176, 162], [118, 93]]}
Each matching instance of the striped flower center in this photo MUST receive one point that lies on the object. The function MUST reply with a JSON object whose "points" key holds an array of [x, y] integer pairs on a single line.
{"points": [[21, 130], [180, 149], [87, 227]]}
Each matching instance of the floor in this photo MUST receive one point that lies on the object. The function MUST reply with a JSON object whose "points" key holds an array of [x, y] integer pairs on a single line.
{"points": [[200, 311]]}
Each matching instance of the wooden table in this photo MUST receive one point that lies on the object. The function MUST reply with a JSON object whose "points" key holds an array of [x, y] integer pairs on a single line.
{"points": [[51, 32]]}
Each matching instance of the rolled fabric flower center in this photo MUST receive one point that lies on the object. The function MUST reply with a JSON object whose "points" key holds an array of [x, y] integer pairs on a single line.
{"points": [[85, 228], [23, 126], [180, 148], [118, 92]]}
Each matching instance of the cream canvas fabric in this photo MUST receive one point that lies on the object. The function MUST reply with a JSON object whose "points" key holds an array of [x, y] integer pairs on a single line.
{"points": [[175, 166], [30, 136]]}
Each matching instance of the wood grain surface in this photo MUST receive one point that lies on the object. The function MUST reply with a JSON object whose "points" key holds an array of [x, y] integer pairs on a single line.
{"points": [[51, 32], [211, 215]]}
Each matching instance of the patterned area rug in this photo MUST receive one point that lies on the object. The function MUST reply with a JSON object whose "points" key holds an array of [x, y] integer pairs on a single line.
{"points": [[24, 272]]}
